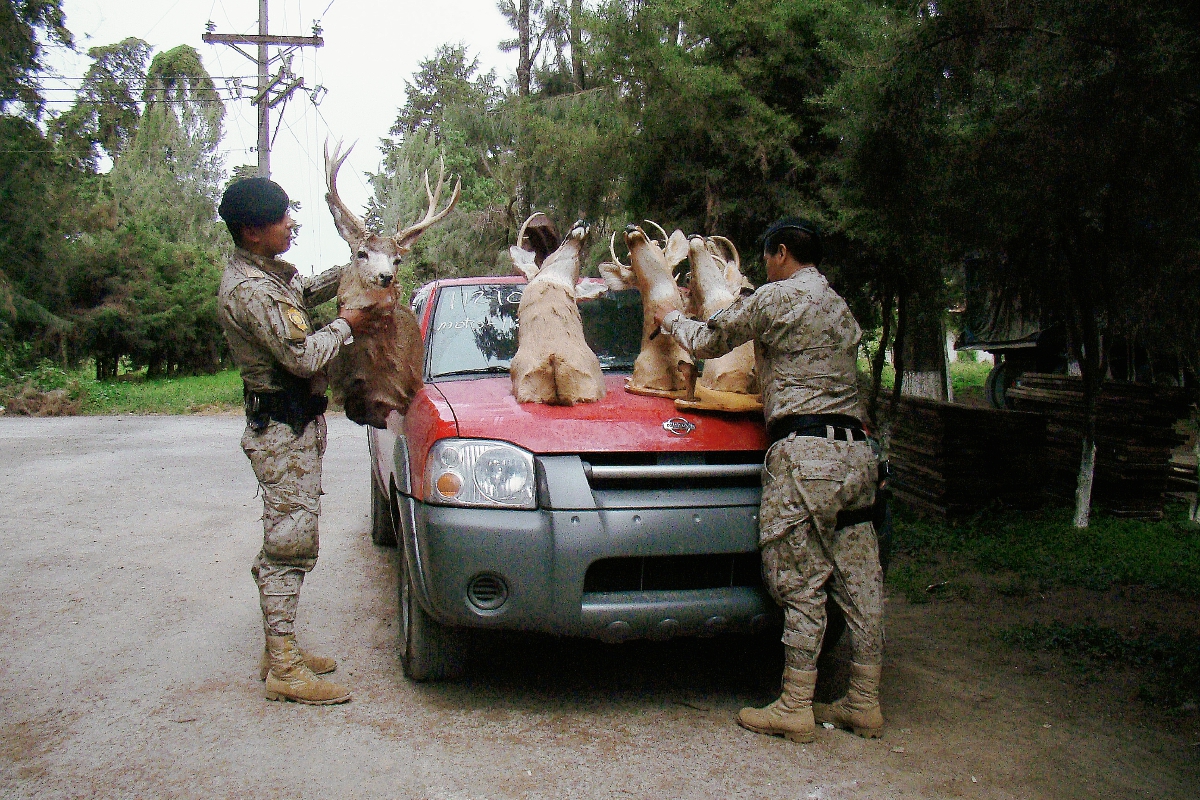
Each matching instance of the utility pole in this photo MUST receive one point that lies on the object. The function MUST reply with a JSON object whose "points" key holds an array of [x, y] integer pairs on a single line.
{"points": [[272, 89]]}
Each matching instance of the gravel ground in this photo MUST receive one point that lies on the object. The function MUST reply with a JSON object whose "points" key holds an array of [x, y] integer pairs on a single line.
{"points": [[131, 635]]}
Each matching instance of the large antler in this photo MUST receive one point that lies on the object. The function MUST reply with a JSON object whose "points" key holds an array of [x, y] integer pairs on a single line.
{"points": [[660, 230], [349, 225], [730, 248], [405, 238]]}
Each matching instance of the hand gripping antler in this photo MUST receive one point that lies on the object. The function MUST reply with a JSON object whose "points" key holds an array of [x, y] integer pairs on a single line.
{"points": [[349, 225], [405, 238]]}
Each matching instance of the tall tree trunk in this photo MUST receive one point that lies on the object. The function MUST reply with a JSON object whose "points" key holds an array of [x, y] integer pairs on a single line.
{"points": [[1194, 511], [1087, 349], [889, 299], [577, 44], [1085, 334], [712, 208], [925, 369], [898, 343], [524, 82], [524, 67]]}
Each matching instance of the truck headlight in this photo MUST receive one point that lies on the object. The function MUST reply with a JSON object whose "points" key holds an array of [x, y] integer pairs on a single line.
{"points": [[478, 472]]}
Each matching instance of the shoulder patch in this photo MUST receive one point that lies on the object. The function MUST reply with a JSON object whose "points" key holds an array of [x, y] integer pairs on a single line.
{"points": [[297, 323]]}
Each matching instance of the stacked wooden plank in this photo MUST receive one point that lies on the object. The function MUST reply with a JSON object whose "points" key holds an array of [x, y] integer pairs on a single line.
{"points": [[951, 460], [1135, 434]]}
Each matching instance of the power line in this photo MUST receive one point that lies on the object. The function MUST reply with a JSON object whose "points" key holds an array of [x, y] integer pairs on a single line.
{"points": [[142, 81]]}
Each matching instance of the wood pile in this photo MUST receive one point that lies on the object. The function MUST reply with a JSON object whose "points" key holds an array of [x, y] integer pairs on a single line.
{"points": [[951, 461], [1135, 433]]}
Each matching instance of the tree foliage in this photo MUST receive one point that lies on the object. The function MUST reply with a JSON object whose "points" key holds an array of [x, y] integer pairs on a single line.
{"points": [[107, 110], [26, 27], [121, 267], [1056, 143]]}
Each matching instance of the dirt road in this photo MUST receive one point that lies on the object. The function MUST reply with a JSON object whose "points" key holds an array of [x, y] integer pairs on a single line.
{"points": [[129, 637]]}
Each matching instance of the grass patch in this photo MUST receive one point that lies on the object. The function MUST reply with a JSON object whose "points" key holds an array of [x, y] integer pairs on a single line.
{"points": [[1172, 663], [138, 394], [1045, 549], [965, 376], [1022, 554], [129, 394]]}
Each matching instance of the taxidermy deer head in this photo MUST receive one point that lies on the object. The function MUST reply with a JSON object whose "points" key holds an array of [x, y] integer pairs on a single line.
{"points": [[375, 257], [380, 370]]}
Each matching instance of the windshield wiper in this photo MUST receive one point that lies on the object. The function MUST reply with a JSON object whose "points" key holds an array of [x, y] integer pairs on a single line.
{"points": [[493, 369]]}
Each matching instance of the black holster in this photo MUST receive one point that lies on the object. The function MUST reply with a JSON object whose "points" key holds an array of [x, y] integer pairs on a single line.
{"points": [[878, 513], [294, 404]]}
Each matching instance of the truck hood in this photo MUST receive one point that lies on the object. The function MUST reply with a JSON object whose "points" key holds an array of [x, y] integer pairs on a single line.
{"points": [[620, 422]]}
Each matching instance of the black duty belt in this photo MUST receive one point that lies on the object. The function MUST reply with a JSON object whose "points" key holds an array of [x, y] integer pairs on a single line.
{"points": [[845, 427], [294, 405]]}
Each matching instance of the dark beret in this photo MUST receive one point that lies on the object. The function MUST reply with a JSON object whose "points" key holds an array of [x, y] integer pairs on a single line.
{"points": [[253, 202], [792, 223]]}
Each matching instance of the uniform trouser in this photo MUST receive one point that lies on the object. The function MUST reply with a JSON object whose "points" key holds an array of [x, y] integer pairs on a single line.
{"points": [[288, 468], [806, 482]]}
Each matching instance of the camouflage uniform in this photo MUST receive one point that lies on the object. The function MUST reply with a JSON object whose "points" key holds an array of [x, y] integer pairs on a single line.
{"points": [[806, 345], [263, 307]]}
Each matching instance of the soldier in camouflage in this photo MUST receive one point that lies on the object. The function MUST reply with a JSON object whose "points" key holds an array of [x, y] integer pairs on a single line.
{"points": [[819, 478], [263, 308]]}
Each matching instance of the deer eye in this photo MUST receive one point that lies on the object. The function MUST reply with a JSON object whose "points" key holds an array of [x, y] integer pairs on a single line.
{"points": [[362, 254], [396, 261]]}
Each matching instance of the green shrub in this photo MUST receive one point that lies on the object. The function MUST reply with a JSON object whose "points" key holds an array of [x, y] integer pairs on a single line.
{"points": [[1047, 548], [1172, 661]]}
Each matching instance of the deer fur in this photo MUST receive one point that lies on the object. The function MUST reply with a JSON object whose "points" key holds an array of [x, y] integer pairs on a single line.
{"points": [[553, 363], [714, 281], [378, 371], [662, 365]]}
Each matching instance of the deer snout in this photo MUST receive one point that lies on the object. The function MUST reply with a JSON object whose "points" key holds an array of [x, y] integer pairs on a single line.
{"points": [[385, 279]]}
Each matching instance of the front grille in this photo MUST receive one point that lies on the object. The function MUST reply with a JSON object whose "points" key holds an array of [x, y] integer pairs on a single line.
{"points": [[638, 471], [666, 573], [487, 592]]}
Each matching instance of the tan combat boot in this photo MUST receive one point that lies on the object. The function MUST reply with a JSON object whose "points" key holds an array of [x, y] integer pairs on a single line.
{"points": [[791, 716], [320, 665], [859, 710], [290, 679]]}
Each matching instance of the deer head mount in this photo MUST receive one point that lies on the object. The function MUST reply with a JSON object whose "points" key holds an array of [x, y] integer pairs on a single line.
{"points": [[375, 257], [380, 371]]}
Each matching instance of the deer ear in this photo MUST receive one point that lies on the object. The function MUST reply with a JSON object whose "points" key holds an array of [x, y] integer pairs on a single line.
{"points": [[676, 249], [589, 290], [617, 276], [523, 262], [733, 278]]}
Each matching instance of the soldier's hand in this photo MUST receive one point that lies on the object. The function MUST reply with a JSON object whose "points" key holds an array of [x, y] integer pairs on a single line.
{"points": [[358, 318]]}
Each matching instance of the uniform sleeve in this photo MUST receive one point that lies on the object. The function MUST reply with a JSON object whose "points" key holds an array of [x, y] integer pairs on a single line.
{"points": [[737, 324], [323, 287], [299, 353]]}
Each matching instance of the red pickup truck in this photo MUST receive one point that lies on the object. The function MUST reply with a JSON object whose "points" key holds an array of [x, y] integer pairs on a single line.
{"points": [[619, 519]]}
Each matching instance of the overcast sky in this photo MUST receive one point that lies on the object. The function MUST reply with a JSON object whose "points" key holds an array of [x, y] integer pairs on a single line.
{"points": [[370, 49]]}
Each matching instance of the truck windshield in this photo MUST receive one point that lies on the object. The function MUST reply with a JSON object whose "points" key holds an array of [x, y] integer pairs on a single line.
{"points": [[474, 329]]}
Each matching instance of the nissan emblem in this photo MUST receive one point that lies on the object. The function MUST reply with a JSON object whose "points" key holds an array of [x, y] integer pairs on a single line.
{"points": [[678, 426]]}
